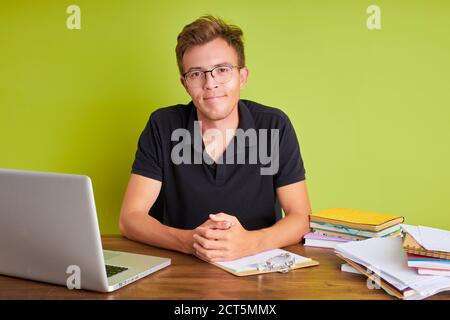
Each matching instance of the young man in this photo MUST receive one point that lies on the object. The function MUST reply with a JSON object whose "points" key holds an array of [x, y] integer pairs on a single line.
{"points": [[216, 209]]}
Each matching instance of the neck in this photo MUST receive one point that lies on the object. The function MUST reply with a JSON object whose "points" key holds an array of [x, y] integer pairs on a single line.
{"points": [[215, 145], [231, 122]]}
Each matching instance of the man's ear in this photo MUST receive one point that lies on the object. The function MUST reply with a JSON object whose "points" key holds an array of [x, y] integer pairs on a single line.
{"points": [[243, 76]]}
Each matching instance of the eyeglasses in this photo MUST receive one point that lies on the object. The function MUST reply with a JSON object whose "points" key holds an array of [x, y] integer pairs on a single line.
{"points": [[221, 74]]}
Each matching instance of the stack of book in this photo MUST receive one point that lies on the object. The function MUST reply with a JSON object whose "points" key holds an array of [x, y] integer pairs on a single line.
{"points": [[382, 260], [322, 241], [427, 250], [331, 227]]}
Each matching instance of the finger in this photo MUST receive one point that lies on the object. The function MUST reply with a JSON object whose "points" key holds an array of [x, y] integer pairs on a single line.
{"points": [[223, 225], [209, 244], [208, 255], [222, 217], [217, 224], [212, 234], [200, 256], [200, 252]]}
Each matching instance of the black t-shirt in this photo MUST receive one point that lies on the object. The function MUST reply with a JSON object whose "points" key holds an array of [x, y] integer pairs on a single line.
{"points": [[192, 190]]}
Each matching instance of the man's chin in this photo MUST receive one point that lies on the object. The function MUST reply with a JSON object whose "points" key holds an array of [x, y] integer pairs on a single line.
{"points": [[215, 116], [215, 113]]}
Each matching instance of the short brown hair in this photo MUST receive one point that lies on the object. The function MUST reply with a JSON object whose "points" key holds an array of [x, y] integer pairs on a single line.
{"points": [[206, 29]]}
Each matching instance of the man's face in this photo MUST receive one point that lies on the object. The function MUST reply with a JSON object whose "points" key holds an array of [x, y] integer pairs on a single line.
{"points": [[215, 101]]}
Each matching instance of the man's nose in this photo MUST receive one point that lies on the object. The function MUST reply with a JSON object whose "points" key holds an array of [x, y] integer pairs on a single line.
{"points": [[210, 82]]}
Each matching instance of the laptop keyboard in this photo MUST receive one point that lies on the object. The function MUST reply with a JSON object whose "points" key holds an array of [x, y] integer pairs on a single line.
{"points": [[113, 270]]}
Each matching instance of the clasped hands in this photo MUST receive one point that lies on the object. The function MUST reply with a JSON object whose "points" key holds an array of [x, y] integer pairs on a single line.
{"points": [[223, 238]]}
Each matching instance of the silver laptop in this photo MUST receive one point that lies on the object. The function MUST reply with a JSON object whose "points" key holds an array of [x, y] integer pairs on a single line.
{"points": [[49, 232]]}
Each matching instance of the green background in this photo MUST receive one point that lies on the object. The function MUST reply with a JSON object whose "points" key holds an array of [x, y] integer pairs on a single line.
{"points": [[370, 107]]}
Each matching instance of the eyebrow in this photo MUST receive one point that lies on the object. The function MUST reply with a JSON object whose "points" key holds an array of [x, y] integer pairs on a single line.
{"points": [[217, 65]]}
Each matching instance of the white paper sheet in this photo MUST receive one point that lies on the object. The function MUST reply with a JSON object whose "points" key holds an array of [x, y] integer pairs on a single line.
{"points": [[435, 239], [413, 231], [392, 280], [345, 267], [386, 255], [430, 238], [251, 262]]}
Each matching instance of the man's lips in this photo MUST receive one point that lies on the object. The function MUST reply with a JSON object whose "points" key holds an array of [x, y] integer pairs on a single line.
{"points": [[213, 98]]}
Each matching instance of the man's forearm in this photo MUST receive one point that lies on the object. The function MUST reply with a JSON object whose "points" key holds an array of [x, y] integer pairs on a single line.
{"points": [[146, 229], [287, 231]]}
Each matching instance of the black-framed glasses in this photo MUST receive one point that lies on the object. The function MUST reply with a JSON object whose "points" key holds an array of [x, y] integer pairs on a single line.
{"points": [[221, 74]]}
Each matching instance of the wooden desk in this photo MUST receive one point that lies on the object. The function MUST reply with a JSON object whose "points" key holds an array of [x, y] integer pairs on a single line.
{"points": [[191, 278]]}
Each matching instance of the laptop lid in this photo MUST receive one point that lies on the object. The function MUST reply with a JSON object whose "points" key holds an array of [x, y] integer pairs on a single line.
{"points": [[49, 228]]}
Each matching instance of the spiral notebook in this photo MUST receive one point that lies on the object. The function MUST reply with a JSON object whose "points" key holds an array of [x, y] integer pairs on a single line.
{"points": [[411, 245], [265, 262]]}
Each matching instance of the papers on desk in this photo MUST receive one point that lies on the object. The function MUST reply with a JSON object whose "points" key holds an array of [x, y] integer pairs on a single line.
{"points": [[345, 267], [427, 249], [430, 238], [251, 265], [385, 258]]}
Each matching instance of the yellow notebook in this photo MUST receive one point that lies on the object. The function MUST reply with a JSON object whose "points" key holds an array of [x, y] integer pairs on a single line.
{"points": [[359, 219]]}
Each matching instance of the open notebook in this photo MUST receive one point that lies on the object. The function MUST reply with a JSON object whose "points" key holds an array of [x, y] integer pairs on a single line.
{"points": [[426, 241], [257, 264]]}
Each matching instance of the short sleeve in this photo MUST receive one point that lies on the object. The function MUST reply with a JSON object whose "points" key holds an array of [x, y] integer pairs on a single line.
{"points": [[291, 168], [148, 160]]}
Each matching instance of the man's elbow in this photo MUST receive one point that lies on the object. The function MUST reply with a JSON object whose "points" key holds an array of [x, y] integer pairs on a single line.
{"points": [[123, 226], [303, 232]]}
